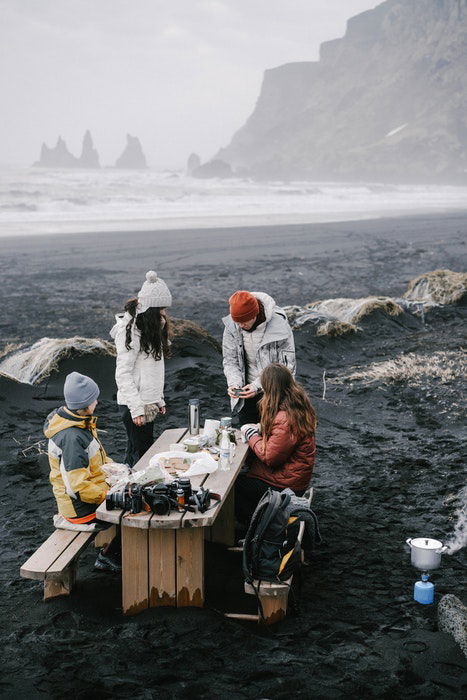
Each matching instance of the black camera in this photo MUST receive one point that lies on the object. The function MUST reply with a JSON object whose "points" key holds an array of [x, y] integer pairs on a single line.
{"points": [[129, 498], [159, 498], [200, 500]]}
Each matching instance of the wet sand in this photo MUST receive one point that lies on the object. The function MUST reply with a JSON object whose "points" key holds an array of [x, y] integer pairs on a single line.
{"points": [[390, 461]]}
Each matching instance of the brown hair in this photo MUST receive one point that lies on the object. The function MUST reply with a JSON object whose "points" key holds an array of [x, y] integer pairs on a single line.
{"points": [[155, 330], [283, 393]]}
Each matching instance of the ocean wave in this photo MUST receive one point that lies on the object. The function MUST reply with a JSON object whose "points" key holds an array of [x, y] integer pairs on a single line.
{"points": [[342, 315], [20, 207], [33, 364], [78, 198]]}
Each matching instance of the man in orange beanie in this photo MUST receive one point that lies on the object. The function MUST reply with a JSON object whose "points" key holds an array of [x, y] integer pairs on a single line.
{"points": [[256, 333]]}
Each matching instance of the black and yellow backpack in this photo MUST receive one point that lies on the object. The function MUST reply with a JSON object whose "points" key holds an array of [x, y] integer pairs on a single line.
{"points": [[271, 551]]}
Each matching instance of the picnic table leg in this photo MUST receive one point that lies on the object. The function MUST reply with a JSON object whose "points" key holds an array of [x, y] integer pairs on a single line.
{"points": [[223, 530], [162, 563], [190, 567], [135, 588]]}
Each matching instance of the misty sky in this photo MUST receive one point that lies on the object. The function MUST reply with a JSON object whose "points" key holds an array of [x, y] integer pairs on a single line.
{"points": [[183, 75]]}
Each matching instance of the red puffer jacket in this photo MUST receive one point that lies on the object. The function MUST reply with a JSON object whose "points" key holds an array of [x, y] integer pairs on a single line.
{"points": [[286, 462]]}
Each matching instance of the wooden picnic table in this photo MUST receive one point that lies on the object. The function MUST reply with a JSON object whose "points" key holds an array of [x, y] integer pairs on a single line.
{"points": [[163, 555]]}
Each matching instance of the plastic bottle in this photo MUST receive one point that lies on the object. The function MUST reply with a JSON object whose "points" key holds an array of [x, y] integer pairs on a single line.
{"points": [[224, 456], [180, 498]]}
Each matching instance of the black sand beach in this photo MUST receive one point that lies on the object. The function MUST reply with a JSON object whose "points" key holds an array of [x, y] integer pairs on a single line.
{"points": [[390, 465]]}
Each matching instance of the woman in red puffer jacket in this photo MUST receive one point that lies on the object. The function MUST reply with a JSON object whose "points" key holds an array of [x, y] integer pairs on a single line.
{"points": [[283, 443]]}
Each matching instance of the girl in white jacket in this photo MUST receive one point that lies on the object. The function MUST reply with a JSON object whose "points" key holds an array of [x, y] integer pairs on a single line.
{"points": [[141, 337]]}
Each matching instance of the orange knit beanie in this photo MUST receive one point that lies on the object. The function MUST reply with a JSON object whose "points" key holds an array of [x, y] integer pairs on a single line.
{"points": [[243, 306]]}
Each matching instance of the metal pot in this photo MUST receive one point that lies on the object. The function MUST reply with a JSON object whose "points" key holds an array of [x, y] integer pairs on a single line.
{"points": [[425, 554]]}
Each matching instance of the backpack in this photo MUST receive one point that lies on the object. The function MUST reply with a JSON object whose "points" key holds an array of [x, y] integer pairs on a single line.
{"points": [[271, 551]]}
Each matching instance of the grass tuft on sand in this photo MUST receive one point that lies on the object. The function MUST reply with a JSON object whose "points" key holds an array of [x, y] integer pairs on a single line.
{"points": [[438, 286], [412, 368]]}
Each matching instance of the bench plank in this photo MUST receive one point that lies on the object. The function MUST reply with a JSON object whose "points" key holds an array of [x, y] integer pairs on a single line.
{"points": [[39, 562], [73, 550]]}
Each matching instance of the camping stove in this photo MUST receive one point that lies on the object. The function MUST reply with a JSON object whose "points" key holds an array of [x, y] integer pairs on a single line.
{"points": [[425, 556]]}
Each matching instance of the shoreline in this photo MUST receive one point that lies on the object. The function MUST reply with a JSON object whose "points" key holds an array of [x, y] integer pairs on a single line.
{"points": [[194, 223]]}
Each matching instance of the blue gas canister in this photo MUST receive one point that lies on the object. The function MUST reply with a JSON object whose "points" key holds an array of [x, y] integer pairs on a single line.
{"points": [[424, 591]]}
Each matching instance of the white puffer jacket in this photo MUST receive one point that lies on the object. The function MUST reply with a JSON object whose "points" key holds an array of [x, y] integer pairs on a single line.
{"points": [[139, 377], [272, 342]]}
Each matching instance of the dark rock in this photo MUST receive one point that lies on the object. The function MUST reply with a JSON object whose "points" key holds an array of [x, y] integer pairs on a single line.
{"points": [[388, 101], [213, 168], [89, 156], [132, 156]]}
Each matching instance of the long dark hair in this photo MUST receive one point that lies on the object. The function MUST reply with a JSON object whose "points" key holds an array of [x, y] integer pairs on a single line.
{"points": [[155, 330], [283, 393]]}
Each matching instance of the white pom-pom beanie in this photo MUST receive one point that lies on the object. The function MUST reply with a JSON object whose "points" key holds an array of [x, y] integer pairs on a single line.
{"points": [[154, 292]]}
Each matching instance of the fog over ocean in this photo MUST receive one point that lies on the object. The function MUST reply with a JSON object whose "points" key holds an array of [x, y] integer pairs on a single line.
{"points": [[38, 201]]}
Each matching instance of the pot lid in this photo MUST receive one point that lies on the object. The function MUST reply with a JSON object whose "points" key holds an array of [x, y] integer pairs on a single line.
{"points": [[426, 543]]}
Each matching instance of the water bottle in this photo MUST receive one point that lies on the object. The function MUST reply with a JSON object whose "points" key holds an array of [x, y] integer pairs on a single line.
{"points": [[224, 456], [193, 416]]}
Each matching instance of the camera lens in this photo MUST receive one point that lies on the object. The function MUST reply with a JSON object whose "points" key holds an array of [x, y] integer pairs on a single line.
{"points": [[157, 499], [161, 505]]}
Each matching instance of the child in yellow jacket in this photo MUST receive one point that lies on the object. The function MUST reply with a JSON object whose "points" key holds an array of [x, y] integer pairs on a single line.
{"points": [[76, 456]]}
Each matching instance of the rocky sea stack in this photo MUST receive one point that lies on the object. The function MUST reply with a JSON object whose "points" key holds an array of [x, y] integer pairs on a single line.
{"points": [[193, 162], [89, 156], [388, 101], [60, 157], [132, 156]]}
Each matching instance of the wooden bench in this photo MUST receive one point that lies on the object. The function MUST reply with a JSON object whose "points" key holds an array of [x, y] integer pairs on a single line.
{"points": [[56, 560], [273, 597]]}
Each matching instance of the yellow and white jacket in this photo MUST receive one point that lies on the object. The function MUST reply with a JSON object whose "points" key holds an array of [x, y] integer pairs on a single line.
{"points": [[76, 456]]}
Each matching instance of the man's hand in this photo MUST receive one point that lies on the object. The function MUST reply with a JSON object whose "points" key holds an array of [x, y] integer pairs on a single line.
{"points": [[162, 410], [139, 421], [231, 392], [248, 392]]}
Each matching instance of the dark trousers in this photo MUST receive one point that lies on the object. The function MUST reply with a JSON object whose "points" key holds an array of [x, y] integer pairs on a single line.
{"points": [[140, 438], [248, 493], [115, 547], [249, 413]]}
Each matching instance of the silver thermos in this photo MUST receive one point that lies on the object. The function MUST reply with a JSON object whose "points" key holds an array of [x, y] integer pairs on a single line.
{"points": [[193, 416]]}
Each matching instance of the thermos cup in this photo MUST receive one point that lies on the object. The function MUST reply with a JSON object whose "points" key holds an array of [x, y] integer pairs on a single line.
{"points": [[193, 416]]}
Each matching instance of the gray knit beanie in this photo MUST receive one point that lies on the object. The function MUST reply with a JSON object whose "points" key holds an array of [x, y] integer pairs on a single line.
{"points": [[79, 391], [154, 292]]}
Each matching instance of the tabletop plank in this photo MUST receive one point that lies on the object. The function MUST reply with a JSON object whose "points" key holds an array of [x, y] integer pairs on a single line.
{"points": [[169, 436], [144, 519], [220, 482]]}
